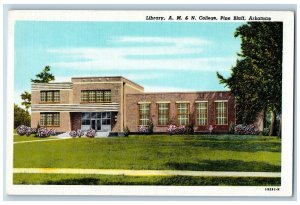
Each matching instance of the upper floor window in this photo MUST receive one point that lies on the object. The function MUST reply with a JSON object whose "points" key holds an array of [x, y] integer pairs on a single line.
{"points": [[201, 108], [95, 96], [50, 96], [221, 112], [182, 113], [144, 114], [163, 113], [49, 119]]}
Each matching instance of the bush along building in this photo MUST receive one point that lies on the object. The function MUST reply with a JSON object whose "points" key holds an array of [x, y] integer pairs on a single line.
{"points": [[112, 104]]}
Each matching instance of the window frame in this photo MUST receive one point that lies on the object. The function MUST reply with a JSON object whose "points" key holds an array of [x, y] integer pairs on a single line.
{"points": [[197, 113], [53, 96], [139, 113], [55, 118], [215, 111], [168, 114], [99, 96], [188, 113]]}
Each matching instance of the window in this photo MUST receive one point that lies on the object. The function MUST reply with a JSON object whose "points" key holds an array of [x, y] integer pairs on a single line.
{"points": [[201, 108], [221, 112], [144, 114], [95, 96], [49, 119], [182, 113], [50, 96], [163, 113]]}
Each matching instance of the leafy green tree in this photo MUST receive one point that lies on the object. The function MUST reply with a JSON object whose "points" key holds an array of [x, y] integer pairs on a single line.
{"points": [[21, 116], [26, 97], [256, 79], [44, 77]]}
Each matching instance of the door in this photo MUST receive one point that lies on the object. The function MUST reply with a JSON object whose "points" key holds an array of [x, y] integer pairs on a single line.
{"points": [[106, 122]]}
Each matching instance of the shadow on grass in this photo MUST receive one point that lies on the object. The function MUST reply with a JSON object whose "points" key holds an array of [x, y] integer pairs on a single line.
{"points": [[174, 180], [225, 165], [243, 146]]}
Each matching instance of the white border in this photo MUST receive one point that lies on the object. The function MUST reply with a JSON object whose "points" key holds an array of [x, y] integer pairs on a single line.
{"points": [[122, 16]]}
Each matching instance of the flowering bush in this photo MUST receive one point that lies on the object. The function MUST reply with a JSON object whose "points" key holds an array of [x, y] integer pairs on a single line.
{"points": [[246, 130], [91, 133], [79, 133], [181, 129], [172, 129], [73, 133], [22, 129], [43, 132], [210, 128], [143, 129]]}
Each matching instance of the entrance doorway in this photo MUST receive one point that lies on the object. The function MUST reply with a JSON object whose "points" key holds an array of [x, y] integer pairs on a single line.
{"points": [[99, 121]]}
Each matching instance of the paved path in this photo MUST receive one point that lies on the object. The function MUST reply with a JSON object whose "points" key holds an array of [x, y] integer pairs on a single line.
{"points": [[53, 139], [145, 172]]}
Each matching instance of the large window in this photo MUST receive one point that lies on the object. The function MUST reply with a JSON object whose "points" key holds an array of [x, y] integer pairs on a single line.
{"points": [[49, 119], [144, 114], [163, 113], [201, 108], [182, 113], [50, 96], [95, 96], [221, 112]]}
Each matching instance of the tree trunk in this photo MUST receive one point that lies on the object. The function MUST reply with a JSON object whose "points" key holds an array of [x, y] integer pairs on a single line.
{"points": [[273, 123], [279, 129]]}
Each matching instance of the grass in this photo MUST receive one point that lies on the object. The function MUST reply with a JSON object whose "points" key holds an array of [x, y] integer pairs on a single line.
{"points": [[18, 138], [155, 152], [71, 179]]}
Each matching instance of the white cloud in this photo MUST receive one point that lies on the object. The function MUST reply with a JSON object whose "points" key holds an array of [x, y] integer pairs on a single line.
{"points": [[187, 41], [176, 56]]}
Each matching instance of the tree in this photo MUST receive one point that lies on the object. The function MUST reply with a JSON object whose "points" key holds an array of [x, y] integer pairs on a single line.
{"points": [[21, 116], [26, 97], [256, 78], [44, 77]]}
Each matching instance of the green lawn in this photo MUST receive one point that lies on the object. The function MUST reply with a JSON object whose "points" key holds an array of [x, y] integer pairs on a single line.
{"points": [[205, 153], [71, 179], [18, 138]]}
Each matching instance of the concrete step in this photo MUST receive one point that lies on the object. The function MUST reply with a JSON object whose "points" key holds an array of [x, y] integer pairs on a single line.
{"points": [[102, 134]]}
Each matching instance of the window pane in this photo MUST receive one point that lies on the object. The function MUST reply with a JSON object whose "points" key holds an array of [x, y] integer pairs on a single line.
{"points": [[92, 96], [144, 110], [107, 96], [202, 113], [85, 115], [84, 96], [43, 96], [221, 113], [42, 119], [182, 114], [49, 96], [99, 96], [163, 113], [56, 119], [56, 96]]}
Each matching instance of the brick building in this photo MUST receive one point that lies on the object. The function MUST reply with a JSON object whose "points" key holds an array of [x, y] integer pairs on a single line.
{"points": [[109, 104]]}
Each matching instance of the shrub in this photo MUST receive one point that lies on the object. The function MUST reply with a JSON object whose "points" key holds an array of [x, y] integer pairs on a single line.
{"points": [[246, 130], [80, 133], [150, 127], [231, 128], [52, 132], [143, 129], [210, 128], [181, 129], [172, 129], [22, 130], [126, 131], [73, 133], [266, 131], [190, 129], [42, 132], [91, 133]]}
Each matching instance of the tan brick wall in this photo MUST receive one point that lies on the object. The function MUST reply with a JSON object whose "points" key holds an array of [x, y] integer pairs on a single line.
{"points": [[65, 124], [132, 107]]}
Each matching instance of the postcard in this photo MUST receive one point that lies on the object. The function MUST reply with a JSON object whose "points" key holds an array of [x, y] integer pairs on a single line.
{"points": [[152, 103]]}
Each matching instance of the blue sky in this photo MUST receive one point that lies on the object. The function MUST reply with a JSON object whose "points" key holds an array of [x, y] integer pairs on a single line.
{"points": [[159, 56]]}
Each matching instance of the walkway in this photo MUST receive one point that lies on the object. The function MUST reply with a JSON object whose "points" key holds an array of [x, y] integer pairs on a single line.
{"points": [[145, 172], [29, 141]]}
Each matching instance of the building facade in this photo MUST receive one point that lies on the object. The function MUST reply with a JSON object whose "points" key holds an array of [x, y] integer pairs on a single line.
{"points": [[109, 104]]}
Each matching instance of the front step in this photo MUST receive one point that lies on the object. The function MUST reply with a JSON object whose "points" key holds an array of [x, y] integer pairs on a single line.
{"points": [[102, 134]]}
